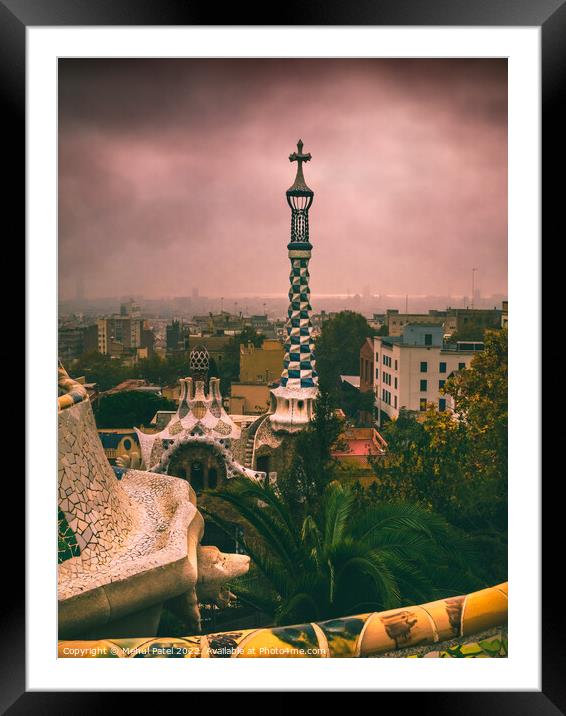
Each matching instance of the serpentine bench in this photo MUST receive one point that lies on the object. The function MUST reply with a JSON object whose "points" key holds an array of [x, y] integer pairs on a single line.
{"points": [[472, 625]]}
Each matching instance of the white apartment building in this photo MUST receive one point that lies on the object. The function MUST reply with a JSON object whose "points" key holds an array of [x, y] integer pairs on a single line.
{"points": [[409, 370]]}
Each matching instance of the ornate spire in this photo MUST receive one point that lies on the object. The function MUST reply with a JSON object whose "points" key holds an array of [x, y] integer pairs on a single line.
{"points": [[298, 385]]}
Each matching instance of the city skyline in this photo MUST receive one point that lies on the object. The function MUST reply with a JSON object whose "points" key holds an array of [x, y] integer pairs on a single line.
{"points": [[173, 173]]}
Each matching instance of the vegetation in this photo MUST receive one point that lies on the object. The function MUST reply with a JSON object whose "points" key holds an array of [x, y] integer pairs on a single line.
{"points": [[162, 371], [458, 467], [339, 560], [313, 466], [101, 369], [473, 331], [130, 408], [357, 405], [108, 372], [338, 349]]}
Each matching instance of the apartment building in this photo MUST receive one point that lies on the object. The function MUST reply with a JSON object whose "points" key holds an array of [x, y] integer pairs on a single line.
{"points": [[462, 319], [408, 371], [75, 340], [396, 321], [118, 335], [454, 320]]}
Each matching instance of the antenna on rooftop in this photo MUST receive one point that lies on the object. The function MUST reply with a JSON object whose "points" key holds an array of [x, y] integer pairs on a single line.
{"points": [[473, 285]]}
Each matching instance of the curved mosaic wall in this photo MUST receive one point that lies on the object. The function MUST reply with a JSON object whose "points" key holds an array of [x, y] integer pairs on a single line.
{"points": [[365, 635]]}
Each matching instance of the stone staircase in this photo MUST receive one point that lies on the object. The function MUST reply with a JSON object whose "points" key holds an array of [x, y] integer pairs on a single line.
{"points": [[249, 450]]}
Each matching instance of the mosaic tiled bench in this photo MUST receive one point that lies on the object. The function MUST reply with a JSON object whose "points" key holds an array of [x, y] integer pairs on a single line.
{"points": [[468, 626], [126, 547]]}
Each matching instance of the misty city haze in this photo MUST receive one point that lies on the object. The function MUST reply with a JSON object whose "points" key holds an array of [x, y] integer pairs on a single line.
{"points": [[172, 177]]}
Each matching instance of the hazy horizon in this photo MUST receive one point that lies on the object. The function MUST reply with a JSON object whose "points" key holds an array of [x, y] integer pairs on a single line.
{"points": [[172, 175]]}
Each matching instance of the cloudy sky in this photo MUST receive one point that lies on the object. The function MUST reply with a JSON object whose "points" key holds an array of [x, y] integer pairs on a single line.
{"points": [[172, 175]]}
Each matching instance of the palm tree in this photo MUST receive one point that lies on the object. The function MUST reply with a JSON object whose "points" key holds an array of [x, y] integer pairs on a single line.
{"points": [[343, 560]]}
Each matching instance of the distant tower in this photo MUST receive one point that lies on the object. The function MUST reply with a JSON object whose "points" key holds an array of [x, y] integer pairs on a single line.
{"points": [[292, 401]]}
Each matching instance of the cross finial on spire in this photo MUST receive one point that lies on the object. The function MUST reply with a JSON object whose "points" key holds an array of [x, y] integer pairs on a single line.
{"points": [[298, 156]]}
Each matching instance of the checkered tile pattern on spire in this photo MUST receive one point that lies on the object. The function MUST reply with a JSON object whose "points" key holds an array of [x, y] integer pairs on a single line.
{"points": [[299, 363]]}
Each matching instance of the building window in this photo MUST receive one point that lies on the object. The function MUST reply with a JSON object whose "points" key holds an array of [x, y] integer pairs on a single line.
{"points": [[442, 404], [377, 357], [442, 368], [395, 399], [441, 383], [461, 366], [395, 383], [424, 385], [428, 339], [424, 366], [422, 404], [376, 373], [396, 365]]}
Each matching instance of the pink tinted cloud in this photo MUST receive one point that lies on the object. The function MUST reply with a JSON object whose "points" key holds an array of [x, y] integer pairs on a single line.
{"points": [[173, 174]]}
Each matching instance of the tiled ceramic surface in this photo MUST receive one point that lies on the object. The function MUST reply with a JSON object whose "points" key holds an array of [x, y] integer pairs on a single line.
{"points": [[399, 632]]}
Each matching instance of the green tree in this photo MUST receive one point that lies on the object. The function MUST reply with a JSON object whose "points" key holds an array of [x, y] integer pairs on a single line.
{"points": [[423, 462], [163, 371], [101, 369], [130, 409], [457, 465], [312, 466], [338, 349], [356, 403], [472, 331], [481, 400], [343, 560]]}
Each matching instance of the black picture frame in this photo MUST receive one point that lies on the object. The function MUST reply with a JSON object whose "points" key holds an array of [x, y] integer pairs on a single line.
{"points": [[17, 15]]}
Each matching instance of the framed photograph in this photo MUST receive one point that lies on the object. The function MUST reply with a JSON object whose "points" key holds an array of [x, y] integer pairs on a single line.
{"points": [[274, 265]]}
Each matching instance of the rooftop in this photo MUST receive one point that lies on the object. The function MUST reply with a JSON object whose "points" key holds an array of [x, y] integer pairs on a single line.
{"points": [[351, 379]]}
